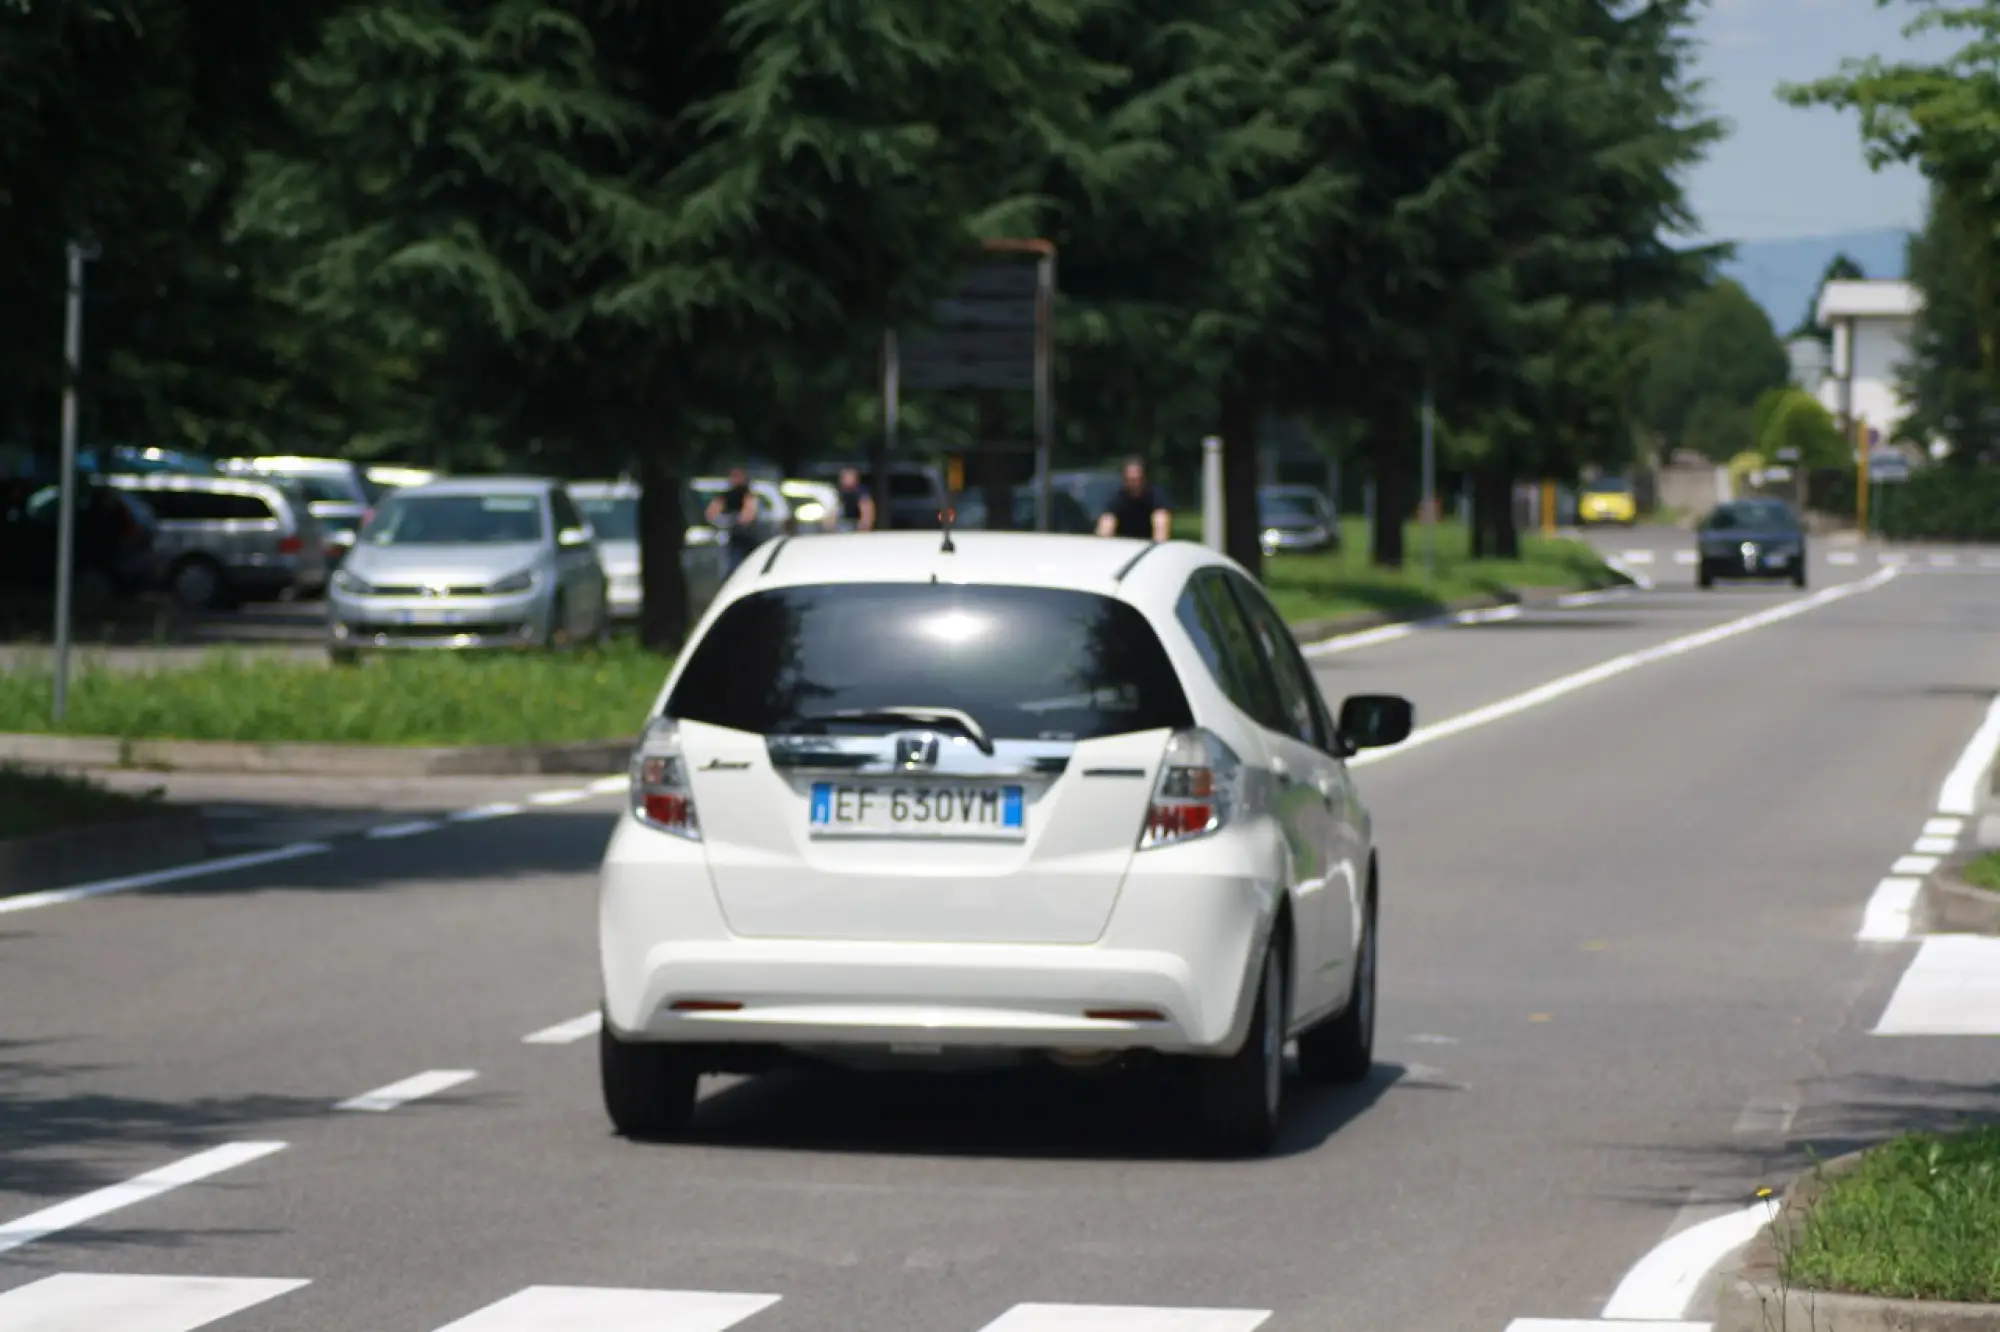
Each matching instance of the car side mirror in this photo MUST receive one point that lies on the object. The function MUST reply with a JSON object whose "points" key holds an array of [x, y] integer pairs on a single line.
{"points": [[1373, 721], [573, 536]]}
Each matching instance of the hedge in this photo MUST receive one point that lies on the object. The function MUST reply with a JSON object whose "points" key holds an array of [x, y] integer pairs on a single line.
{"points": [[1935, 504]]}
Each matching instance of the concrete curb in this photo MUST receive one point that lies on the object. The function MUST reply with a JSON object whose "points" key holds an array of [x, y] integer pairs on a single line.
{"points": [[1339, 626], [595, 758], [1948, 904], [1754, 1297], [109, 850]]}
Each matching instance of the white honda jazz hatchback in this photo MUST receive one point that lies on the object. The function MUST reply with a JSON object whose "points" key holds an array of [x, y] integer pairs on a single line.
{"points": [[992, 795]]}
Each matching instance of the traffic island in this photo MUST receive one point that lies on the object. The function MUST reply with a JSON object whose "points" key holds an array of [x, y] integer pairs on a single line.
{"points": [[1962, 896], [58, 830], [1902, 1237]]}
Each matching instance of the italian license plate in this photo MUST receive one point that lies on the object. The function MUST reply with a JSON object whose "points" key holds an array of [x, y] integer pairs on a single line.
{"points": [[428, 617], [908, 810]]}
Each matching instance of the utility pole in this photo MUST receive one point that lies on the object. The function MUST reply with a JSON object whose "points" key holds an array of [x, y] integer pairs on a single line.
{"points": [[79, 253]]}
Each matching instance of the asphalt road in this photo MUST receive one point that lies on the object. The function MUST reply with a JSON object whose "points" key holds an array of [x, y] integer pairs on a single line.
{"points": [[1621, 989]]}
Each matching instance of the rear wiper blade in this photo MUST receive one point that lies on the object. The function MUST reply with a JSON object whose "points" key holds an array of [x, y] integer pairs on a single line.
{"points": [[964, 721]]}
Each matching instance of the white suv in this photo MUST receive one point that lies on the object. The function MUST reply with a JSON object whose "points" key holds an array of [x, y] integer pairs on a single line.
{"points": [[992, 794]]}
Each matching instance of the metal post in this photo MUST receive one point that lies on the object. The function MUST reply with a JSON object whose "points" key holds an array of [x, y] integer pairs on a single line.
{"points": [[1861, 452], [1211, 492], [78, 252], [1549, 506], [1045, 291], [1430, 484]]}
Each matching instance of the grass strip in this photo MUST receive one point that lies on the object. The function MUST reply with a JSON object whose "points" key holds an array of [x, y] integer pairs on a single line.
{"points": [[34, 802], [1982, 871], [1918, 1218]]}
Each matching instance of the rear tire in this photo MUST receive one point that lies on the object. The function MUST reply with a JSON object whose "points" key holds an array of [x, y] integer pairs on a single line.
{"points": [[1342, 1049], [649, 1090], [1799, 573], [1703, 578], [1240, 1098], [198, 584]]}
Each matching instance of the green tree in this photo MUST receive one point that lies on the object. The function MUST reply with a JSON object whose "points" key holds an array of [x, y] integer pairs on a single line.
{"points": [[1707, 362], [1948, 379], [1788, 425], [1841, 268]]}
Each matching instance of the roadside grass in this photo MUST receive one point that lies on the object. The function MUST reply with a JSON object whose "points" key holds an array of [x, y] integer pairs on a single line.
{"points": [[38, 802], [1919, 1218], [418, 699], [1982, 871]]}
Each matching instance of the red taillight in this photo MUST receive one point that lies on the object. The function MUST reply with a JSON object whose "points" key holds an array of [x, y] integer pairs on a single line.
{"points": [[290, 545], [660, 795], [1196, 793]]}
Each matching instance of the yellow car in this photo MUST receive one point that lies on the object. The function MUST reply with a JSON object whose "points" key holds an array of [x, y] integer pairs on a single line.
{"points": [[1606, 500]]}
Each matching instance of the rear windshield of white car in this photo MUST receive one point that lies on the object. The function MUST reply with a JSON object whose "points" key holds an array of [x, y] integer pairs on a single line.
{"points": [[1027, 663]]}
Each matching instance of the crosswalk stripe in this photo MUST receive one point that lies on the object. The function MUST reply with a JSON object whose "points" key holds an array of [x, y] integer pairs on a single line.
{"points": [[1124, 1318], [1843, 557], [1683, 557], [603, 1309], [76, 1302], [1637, 557]]}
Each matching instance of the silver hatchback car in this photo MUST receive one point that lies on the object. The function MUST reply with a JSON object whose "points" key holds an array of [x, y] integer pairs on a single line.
{"points": [[470, 562]]}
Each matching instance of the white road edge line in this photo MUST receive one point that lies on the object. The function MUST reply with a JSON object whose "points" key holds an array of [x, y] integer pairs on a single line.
{"points": [[409, 1089], [154, 878], [1631, 661], [1390, 633], [1639, 580], [189, 1170], [564, 1033], [1960, 793], [1887, 917], [499, 809], [608, 785], [1935, 846], [1662, 1285], [1914, 864], [383, 832], [546, 798]]}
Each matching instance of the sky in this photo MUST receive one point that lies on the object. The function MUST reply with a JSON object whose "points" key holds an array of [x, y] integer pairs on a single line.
{"points": [[1785, 172]]}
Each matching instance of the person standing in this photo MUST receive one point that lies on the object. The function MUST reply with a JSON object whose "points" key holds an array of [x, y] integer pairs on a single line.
{"points": [[857, 506], [735, 512], [1139, 510]]}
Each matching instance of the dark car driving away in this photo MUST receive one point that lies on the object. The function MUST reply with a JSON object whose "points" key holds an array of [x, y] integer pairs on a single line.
{"points": [[1751, 538]]}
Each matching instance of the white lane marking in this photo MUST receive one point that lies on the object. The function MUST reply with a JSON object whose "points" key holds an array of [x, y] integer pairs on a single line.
{"points": [[409, 1089], [1390, 633], [1914, 865], [1951, 988], [1430, 1039], [1887, 917], [189, 1170], [1124, 1318], [499, 809], [608, 785], [1943, 827], [1386, 633], [111, 1302], [387, 831], [1605, 670], [1767, 1117], [1935, 846], [1639, 580], [564, 1033], [547, 798], [604, 1309], [1944, 561], [1960, 793], [154, 878], [1603, 1325], [1663, 1284], [1636, 556], [1575, 599], [1989, 561], [1683, 557], [1892, 558], [1843, 557], [1489, 615]]}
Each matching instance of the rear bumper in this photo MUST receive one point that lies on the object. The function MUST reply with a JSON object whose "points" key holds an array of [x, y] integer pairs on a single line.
{"points": [[1182, 945]]}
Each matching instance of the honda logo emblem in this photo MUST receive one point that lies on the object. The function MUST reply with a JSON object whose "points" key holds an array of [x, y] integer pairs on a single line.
{"points": [[914, 752]]}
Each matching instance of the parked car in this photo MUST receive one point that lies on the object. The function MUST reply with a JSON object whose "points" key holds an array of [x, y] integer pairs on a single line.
{"points": [[1093, 490], [1025, 797], [112, 547], [612, 509], [224, 540], [917, 491], [1608, 499], [1751, 538], [774, 511], [1065, 514], [470, 562], [815, 505], [336, 491], [1296, 520]]}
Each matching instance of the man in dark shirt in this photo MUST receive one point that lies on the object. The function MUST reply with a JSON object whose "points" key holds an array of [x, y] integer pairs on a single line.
{"points": [[857, 506], [736, 510], [1138, 510]]}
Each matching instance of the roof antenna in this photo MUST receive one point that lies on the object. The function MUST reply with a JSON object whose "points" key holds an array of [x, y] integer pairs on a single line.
{"points": [[945, 515]]}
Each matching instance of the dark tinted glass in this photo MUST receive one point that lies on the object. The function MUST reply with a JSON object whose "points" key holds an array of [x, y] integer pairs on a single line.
{"points": [[1281, 508], [1761, 515], [1027, 663], [1224, 638], [1608, 485], [910, 485]]}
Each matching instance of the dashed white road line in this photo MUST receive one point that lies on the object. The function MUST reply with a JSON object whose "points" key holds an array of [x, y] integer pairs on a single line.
{"points": [[409, 1089], [1914, 864], [1631, 661], [116, 1302], [499, 809], [1684, 557], [1944, 561], [1887, 917], [1944, 827], [546, 799], [564, 1033], [390, 831], [1636, 556], [1935, 846], [75, 1212], [155, 878]]}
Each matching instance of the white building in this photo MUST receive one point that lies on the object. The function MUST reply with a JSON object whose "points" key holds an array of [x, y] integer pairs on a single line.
{"points": [[1872, 321]]}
